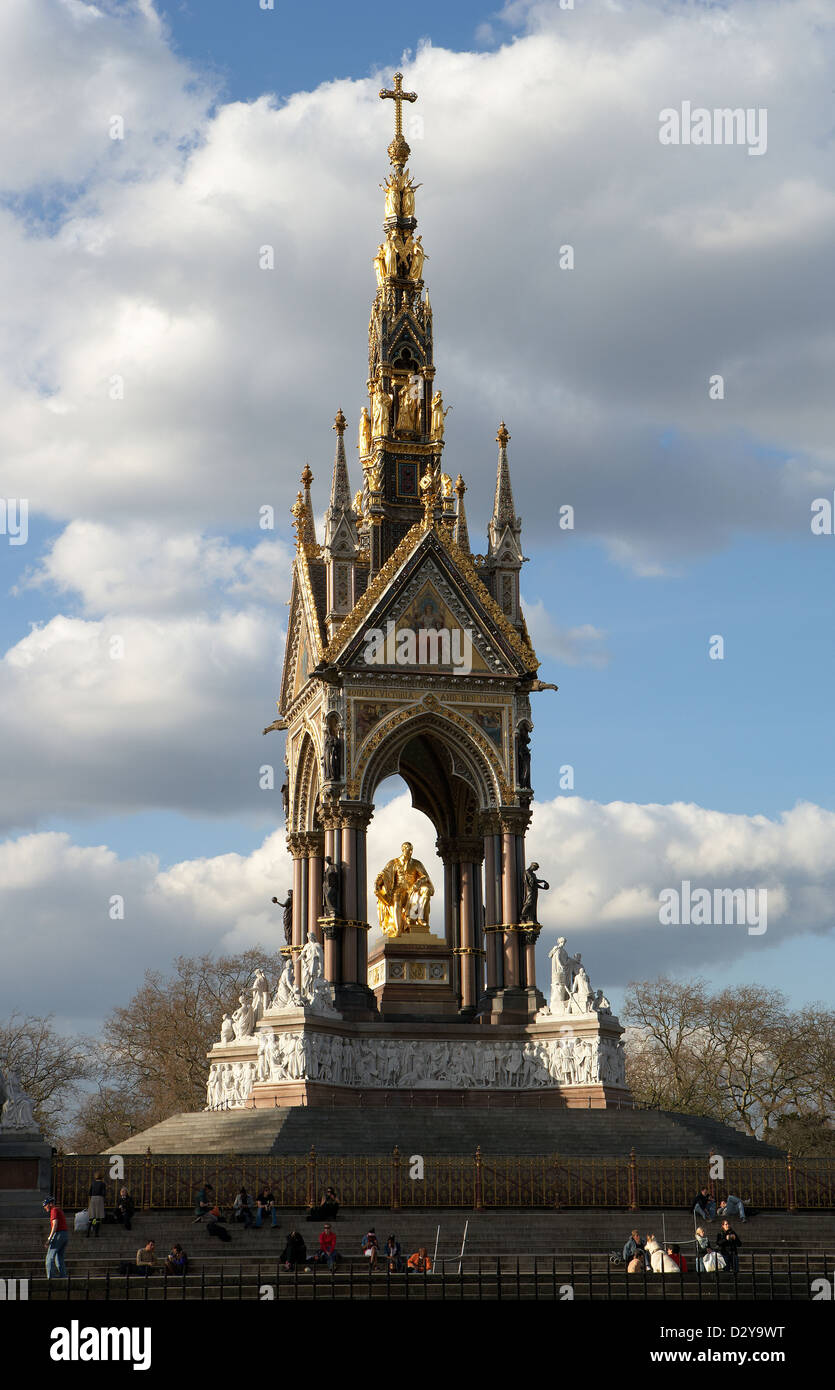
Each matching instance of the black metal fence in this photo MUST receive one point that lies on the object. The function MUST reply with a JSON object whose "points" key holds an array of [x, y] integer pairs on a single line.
{"points": [[558, 1278]]}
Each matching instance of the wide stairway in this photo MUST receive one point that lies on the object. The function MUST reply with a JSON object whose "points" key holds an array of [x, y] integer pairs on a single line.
{"points": [[532, 1254], [445, 1130]]}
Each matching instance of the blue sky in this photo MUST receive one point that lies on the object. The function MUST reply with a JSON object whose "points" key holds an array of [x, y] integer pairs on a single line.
{"points": [[293, 47], [688, 522]]}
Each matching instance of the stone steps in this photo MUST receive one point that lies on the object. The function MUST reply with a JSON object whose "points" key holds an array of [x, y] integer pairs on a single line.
{"points": [[444, 1131], [508, 1233]]}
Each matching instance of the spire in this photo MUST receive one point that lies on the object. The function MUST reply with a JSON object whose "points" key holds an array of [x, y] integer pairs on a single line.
{"points": [[340, 515], [460, 534], [340, 484], [504, 557], [401, 424], [303, 522], [504, 512]]}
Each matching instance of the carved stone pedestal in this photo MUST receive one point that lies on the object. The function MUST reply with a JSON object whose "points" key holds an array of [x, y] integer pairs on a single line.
{"points": [[519, 1005], [25, 1172], [411, 977]]}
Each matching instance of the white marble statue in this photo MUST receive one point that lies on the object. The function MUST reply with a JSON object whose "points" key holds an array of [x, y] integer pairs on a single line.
{"points": [[321, 999], [286, 995], [243, 1020], [260, 995], [313, 966], [582, 994], [227, 1030], [17, 1111]]}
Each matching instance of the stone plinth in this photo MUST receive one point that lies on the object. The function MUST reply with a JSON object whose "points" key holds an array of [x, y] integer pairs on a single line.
{"points": [[300, 1057], [25, 1172], [411, 976]]}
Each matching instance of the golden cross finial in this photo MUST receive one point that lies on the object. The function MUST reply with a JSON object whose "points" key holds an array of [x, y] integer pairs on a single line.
{"points": [[398, 149], [398, 96]]}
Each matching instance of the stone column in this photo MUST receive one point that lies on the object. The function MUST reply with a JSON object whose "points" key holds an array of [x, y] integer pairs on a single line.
{"points": [[315, 865], [467, 936], [333, 954], [510, 907], [478, 923], [346, 829], [350, 954], [296, 846], [362, 904], [529, 940], [333, 935], [492, 906]]}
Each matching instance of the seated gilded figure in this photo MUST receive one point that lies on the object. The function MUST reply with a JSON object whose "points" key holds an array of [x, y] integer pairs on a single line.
{"points": [[403, 889]]}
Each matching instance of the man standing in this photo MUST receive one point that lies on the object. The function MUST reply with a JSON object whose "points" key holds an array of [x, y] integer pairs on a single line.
{"points": [[729, 1245], [56, 1240]]}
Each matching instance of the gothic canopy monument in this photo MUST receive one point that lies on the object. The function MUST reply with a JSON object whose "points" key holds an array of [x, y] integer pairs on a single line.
{"points": [[407, 653]]}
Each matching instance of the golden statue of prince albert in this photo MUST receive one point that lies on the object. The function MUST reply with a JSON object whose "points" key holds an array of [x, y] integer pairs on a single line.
{"points": [[403, 889]]}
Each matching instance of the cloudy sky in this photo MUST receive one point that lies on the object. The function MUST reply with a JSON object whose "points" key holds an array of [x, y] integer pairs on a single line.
{"points": [[158, 388]]}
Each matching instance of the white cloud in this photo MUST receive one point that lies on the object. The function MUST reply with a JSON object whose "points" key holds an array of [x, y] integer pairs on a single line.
{"points": [[140, 713], [575, 646], [140, 568], [231, 373], [606, 865]]}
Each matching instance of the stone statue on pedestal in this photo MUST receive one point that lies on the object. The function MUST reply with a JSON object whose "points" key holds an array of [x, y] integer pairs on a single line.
{"points": [[523, 757], [532, 887], [313, 965], [288, 916], [331, 889], [17, 1111], [286, 994], [333, 755], [243, 1021], [260, 995], [227, 1030]]}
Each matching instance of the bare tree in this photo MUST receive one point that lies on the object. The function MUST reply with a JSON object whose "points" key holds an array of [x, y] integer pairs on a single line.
{"points": [[740, 1055], [151, 1062], [52, 1068]]}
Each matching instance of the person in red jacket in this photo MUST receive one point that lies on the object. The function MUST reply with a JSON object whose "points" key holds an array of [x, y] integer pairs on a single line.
{"points": [[56, 1240], [327, 1251], [674, 1252]]}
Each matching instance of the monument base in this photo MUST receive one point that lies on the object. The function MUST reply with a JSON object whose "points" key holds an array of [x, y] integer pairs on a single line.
{"points": [[25, 1172], [519, 1005], [302, 1056], [314, 1093], [411, 977]]}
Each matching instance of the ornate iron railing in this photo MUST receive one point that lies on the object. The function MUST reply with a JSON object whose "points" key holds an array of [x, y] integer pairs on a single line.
{"points": [[475, 1181]]}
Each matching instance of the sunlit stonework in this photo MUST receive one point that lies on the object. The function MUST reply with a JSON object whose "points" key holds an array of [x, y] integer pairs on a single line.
{"points": [[408, 654]]}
